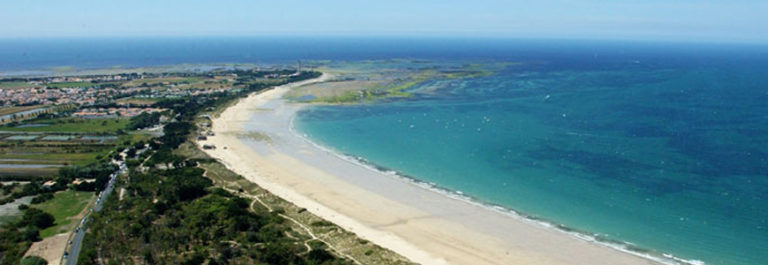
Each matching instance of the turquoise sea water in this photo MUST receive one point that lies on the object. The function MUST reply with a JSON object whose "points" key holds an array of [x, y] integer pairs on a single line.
{"points": [[661, 145], [668, 152]]}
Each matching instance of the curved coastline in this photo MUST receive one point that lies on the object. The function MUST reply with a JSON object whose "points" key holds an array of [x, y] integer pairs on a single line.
{"points": [[465, 231], [623, 246]]}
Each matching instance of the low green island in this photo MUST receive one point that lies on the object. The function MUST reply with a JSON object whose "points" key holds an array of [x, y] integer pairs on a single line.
{"points": [[369, 81]]}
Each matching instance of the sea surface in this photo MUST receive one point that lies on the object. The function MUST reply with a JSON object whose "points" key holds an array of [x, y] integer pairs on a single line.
{"points": [[659, 150], [20, 56], [661, 147]]}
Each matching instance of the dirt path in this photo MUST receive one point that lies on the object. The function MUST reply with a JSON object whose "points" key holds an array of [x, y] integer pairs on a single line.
{"points": [[50, 248], [256, 199]]}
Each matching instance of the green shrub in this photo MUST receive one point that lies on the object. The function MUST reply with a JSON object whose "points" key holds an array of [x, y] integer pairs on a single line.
{"points": [[33, 260], [43, 197], [37, 218]]}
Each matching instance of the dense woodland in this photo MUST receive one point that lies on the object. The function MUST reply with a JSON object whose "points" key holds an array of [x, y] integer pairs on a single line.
{"points": [[175, 217]]}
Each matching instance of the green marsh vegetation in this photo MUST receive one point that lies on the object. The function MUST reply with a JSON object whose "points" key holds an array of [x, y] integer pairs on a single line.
{"points": [[369, 81]]}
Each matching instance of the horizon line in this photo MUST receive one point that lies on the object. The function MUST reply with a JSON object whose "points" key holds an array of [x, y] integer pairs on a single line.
{"points": [[753, 42]]}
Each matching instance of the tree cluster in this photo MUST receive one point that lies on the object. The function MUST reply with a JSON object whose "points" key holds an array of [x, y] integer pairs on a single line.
{"points": [[144, 120], [16, 237], [99, 170]]}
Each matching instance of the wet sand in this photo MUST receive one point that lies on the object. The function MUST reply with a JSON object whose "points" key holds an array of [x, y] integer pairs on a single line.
{"points": [[421, 224]]}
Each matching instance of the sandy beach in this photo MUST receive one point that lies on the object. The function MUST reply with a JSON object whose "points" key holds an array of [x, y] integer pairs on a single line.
{"points": [[423, 225]]}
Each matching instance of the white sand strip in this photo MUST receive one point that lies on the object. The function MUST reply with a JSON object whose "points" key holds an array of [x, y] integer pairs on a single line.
{"points": [[425, 226]]}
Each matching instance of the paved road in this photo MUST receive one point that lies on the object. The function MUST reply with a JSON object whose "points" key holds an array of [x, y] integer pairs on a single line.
{"points": [[77, 240]]}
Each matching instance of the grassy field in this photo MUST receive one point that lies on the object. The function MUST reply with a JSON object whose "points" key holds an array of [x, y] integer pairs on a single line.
{"points": [[71, 84], [72, 125], [170, 80], [65, 206], [207, 84]]}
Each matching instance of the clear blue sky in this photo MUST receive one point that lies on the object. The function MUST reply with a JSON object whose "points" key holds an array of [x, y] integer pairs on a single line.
{"points": [[706, 20]]}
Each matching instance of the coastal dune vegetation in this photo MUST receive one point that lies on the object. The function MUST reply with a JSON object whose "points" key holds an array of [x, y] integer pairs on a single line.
{"points": [[178, 206]]}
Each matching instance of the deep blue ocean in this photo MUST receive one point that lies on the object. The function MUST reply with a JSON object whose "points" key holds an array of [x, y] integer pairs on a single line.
{"points": [[663, 146]]}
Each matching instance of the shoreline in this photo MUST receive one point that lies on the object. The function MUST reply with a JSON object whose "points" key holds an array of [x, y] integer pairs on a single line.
{"points": [[418, 222], [622, 246]]}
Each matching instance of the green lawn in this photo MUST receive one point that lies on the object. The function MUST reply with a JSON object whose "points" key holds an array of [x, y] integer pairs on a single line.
{"points": [[64, 206], [72, 125]]}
